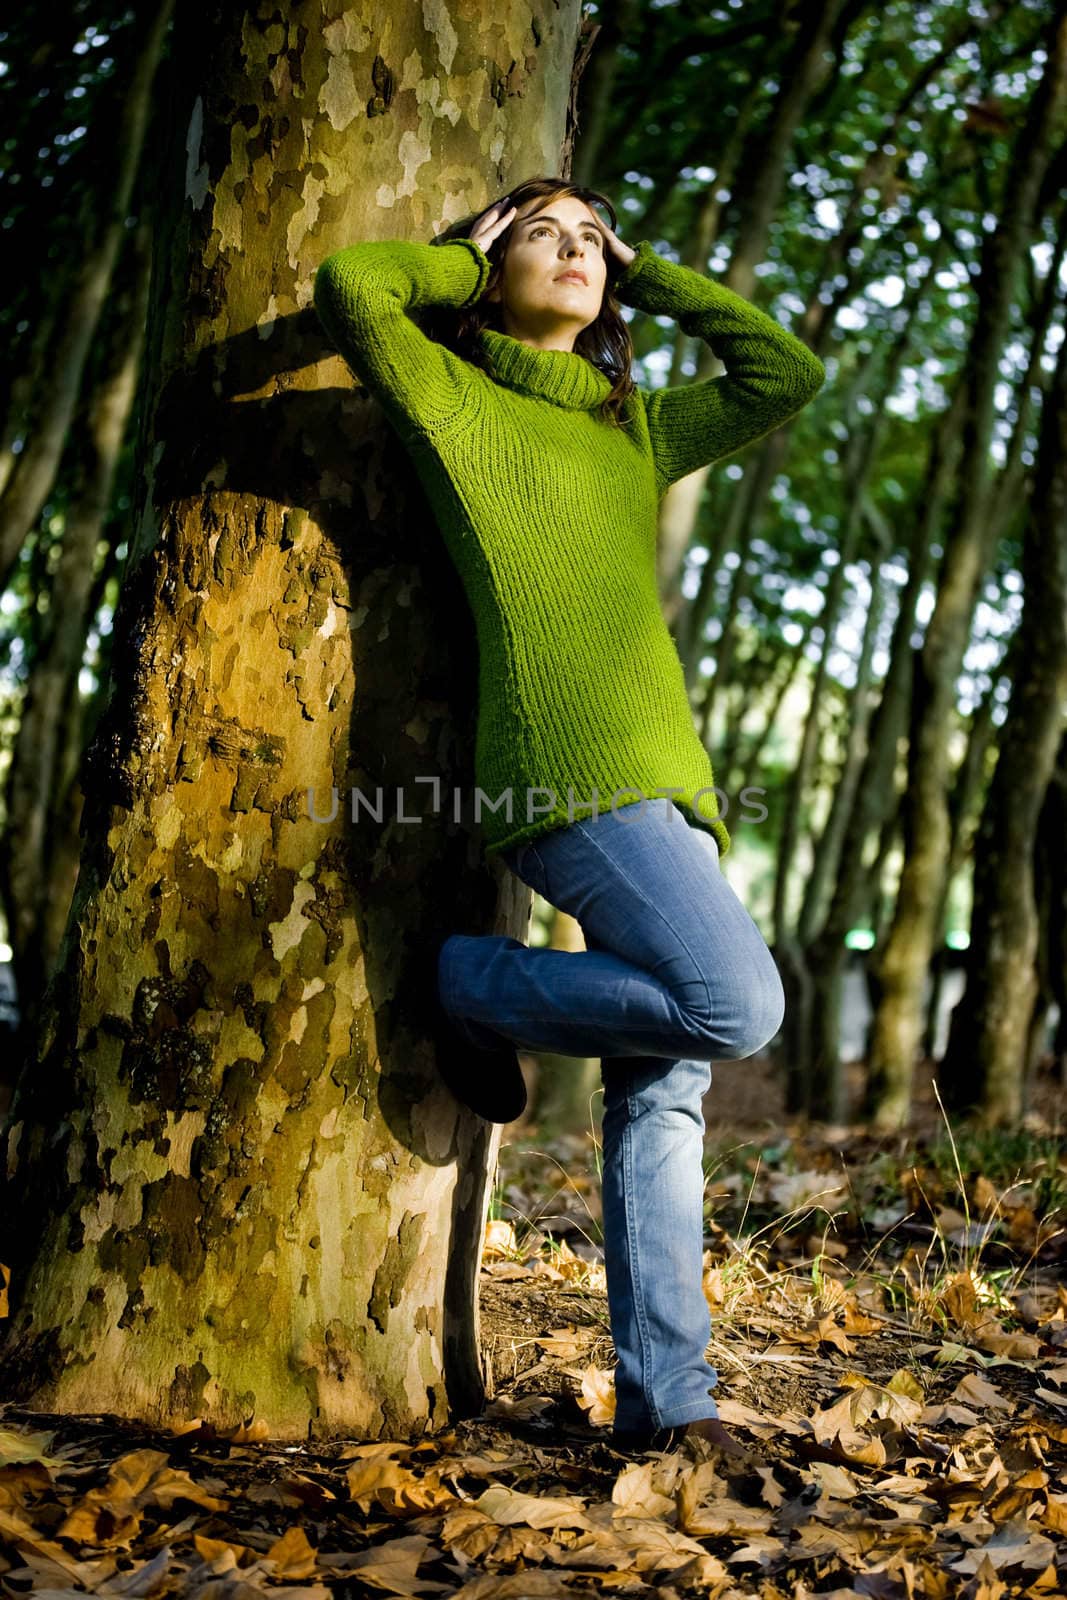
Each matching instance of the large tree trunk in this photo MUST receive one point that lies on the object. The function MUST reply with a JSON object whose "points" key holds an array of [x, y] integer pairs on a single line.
{"points": [[40, 48], [864, 799], [844, 262], [236, 1184], [964, 804], [615, 27]]}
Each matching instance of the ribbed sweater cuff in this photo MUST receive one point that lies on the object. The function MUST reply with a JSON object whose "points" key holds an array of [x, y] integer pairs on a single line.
{"points": [[485, 266], [640, 278]]}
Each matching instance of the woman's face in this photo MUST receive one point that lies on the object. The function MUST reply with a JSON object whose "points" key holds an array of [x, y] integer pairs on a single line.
{"points": [[550, 238]]}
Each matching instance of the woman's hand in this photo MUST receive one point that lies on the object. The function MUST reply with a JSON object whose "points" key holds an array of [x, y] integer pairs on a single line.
{"points": [[491, 224], [614, 245]]}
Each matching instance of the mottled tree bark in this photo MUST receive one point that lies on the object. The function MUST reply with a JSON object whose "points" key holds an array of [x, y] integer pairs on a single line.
{"points": [[235, 1183], [680, 507]]}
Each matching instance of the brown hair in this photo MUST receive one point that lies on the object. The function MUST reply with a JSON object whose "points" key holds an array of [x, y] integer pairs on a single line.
{"points": [[605, 343]]}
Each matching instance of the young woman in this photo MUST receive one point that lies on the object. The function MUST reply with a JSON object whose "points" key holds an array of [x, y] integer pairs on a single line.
{"points": [[544, 464]]}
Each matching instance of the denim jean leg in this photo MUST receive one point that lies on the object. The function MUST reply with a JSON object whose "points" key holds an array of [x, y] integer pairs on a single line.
{"points": [[653, 1195], [675, 974], [653, 1205], [461, 954], [681, 969]]}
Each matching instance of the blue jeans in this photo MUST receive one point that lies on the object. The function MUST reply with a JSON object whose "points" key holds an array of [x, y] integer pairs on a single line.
{"points": [[675, 974]]}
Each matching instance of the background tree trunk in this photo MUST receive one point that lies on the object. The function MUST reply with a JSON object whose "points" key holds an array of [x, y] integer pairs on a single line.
{"points": [[987, 1060], [39, 841], [235, 1182], [27, 482], [903, 964]]}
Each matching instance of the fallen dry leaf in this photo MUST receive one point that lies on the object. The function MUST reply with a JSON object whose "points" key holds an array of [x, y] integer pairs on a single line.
{"points": [[973, 1390], [597, 1396]]}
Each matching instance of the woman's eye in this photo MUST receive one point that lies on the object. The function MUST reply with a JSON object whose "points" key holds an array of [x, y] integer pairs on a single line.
{"points": [[595, 237]]}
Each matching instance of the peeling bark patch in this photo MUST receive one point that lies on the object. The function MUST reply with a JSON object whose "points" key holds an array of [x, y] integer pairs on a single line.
{"points": [[165, 1061], [187, 1390], [286, 934], [337, 1356], [384, 88], [438, 23], [32, 1361], [413, 152], [170, 1225], [339, 98], [401, 1253]]}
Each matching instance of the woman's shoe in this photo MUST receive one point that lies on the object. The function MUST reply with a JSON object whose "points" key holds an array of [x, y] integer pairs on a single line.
{"points": [[636, 1441], [489, 1081]]}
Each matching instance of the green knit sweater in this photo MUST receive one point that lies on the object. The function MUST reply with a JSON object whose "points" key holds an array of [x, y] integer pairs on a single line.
{"points": [[549, 513]]}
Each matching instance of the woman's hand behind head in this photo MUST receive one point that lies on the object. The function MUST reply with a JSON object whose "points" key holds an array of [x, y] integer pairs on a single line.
{"points": [[491, 224]]}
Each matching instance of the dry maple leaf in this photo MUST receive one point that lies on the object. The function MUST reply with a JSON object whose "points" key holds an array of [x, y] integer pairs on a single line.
{"points": [[567, 1343], [395, 1487], [959, 1300], [18, 1446], [597, 1396], [857, 1321], [47, 1559], [507, 1506], [110, 1514], [764, 1424], [653, 1546], [293, 1555], [900, 1400], [1015, 1544], [838, 1428], [635, 1494], [819, 1330], [973, 1390], [393, 1566], [791, 1190], [991, 1335]]}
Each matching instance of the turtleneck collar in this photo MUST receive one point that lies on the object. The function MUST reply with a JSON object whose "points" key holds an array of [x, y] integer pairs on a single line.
{"points": [[562, 376]]}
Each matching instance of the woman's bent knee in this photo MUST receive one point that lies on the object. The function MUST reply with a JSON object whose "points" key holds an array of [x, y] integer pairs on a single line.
{"points": [[745, 1021], [763, 1019]]}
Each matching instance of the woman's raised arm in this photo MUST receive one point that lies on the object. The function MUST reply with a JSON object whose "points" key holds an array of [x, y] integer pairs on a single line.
{"points": [[362, 295], [770, 373]]}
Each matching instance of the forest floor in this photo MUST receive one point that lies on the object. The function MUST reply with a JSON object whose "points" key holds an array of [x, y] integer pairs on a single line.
{"points": [[889, 1327]]}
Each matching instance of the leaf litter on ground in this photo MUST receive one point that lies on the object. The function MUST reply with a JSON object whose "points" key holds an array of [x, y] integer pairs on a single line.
{"points": [[903, 1384]]}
